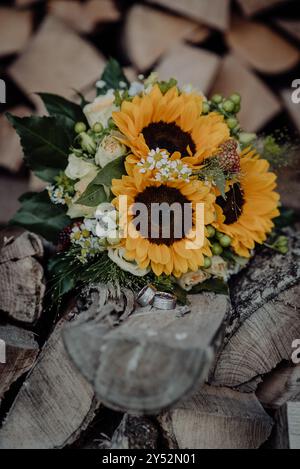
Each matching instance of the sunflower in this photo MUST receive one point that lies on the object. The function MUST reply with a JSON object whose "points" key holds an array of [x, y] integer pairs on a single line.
{"points": [[170, 121], [250, 205], [170, 254]]}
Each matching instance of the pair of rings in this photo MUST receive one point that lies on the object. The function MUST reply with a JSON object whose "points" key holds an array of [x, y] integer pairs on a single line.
{"points": [[160, 300]]}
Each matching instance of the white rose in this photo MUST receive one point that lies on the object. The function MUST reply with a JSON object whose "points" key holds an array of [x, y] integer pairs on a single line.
{"points": [[109, 149], [218, 268], [117, 256], [101, 109], [77, 167], [81, 185], [190, 279], [78, 211]]}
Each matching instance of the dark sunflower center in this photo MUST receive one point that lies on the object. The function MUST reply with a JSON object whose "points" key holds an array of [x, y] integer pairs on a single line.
{"points": [[233, 205], [169, 137], [162, 215]]}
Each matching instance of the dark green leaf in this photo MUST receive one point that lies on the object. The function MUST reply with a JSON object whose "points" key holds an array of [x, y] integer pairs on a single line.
{"points": [[215, 285], [95, 194], [45, 144], [39, 215], [220, 181], [286, 218], [68, 112], [112, 76]]}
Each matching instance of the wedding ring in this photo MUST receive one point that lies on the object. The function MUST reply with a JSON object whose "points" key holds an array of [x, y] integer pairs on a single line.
{"points": [[164, 300], [146, 296]]}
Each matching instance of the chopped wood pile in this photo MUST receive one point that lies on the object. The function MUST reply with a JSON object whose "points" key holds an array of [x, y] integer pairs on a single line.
{"points": [[102, 372]]}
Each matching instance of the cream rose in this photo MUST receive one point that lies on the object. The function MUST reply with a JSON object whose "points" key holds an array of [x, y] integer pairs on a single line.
{"points": [[117, 256], [78, 210], [77, 167], [190, 279], [218, 268], [109, 149], [101, 109], [81, 185]]}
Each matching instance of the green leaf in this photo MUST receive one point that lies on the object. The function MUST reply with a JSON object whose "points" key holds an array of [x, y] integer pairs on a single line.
{"points": [[39, 215], [45, 144], [68, 112], [95, 193], [220, 181], [112, 76], [215, 285], [286, 218]]}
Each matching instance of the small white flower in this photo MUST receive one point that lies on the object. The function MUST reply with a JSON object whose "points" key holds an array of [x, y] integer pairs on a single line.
{"points": [[100, 84], [122, 84], [136, 88]]}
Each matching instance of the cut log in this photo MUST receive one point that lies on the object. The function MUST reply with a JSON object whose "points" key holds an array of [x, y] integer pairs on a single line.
{"points": [[11, 155], [21, 278], [255, 113], [286, 433], [211, 12], [199, 35], [15, 30], [135, 433], [289, 183], [36, 184], [177, 63], [217, 418], [15, 187], [54, 404], [261, 47], [289, 26], [266, 318], [253, 7], [154, 357], [61, 46], [21, 350], [280, 386], [292, 107], [149, 33]]}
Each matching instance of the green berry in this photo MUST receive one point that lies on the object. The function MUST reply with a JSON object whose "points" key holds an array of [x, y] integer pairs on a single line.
{"points": [[219, 235], [283, 249], [217, 98], [225, 241], [210, 231], [235, 98], [232, 122], [229, 106], [207, 262], [80, 127], [246, 138], [205, 107], [97, 127], [216, 249], [237, 108], [111, 123]]}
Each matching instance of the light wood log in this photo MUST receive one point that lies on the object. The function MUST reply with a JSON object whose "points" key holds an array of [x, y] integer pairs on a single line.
{"points": [[233, 76], [286, 433], [211, 12], [216, 418], [135, 433], [280, 386], [21, 350], [54, 404], [15, 187], [15, 30], [190, 65], [154, 357], [149, 33], [253, 7], [266, 318], [293, 108], [56, 41], [260, 47]]}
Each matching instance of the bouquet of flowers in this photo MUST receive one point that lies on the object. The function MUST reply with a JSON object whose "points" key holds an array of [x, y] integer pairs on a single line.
{"points": [[149, 184]]}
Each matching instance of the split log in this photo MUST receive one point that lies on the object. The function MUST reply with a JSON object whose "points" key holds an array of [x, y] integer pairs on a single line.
{"points": [[177, 63], [216, 418], [293, 108], [211, 12], [198, 35], [54, 404], [149, 33], [289, 184], [253, 7], [280, 386], [21, 278], [135, 433], [15, 30], [261, 47], [36, 184], [61, 46], [154, 357], [289, 26], [233, 75], [15, 187], [21, 350], [286, 433], [266, 318], [11, 155]]}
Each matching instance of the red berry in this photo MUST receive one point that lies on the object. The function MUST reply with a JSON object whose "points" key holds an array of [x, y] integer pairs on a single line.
{"points": [[64, 241], [228, 156]]}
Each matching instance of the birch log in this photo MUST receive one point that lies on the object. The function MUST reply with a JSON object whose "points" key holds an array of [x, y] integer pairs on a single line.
{"points": [[154, 357], [266, 319], [54, 404], [216, 418]]}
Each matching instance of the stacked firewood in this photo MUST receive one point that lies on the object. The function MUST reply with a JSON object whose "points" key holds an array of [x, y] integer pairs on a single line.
{"points": [[220, 373]]}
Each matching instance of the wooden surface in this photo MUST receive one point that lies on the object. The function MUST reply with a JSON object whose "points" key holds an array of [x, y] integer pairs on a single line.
{"points": [[280, 386], [133, 366], [252, 7], [15, 30]]}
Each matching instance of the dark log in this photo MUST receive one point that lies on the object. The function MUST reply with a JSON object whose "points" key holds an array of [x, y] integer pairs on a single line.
{"points": [[135, 433]]}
